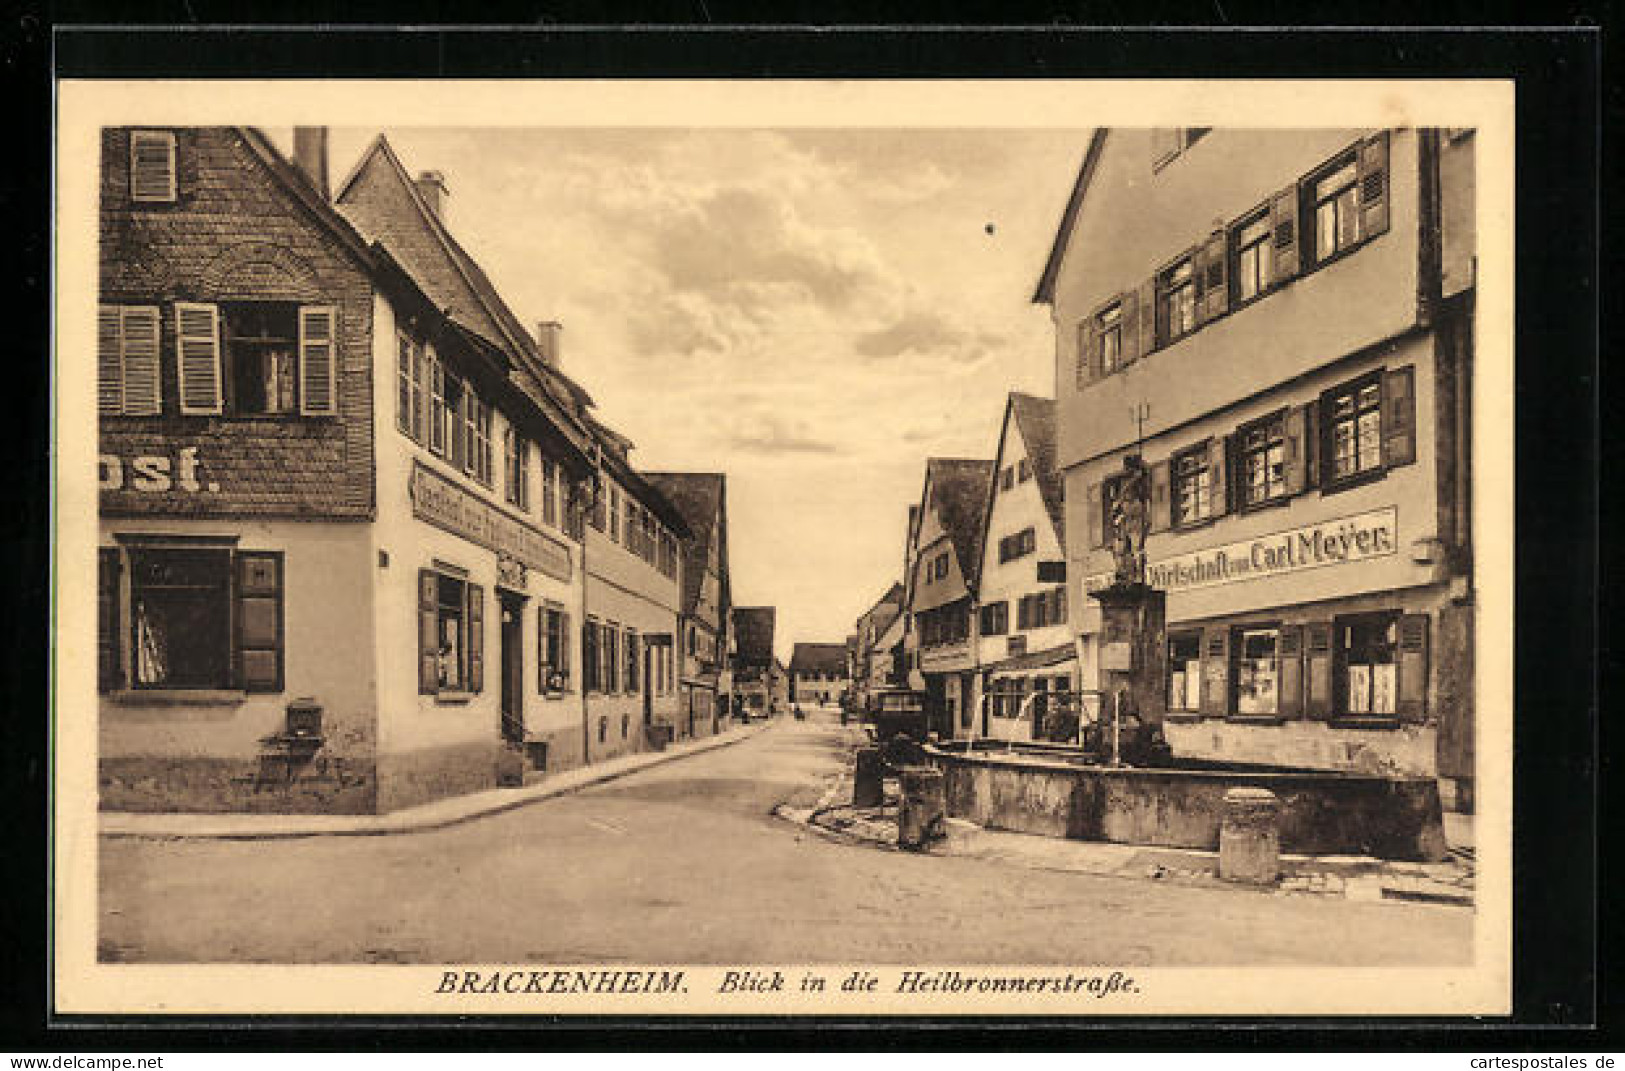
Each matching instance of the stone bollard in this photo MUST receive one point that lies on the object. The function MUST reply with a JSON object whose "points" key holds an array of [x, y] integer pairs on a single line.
{"points": [[1250, 837], [868, 779], [924, 807]]}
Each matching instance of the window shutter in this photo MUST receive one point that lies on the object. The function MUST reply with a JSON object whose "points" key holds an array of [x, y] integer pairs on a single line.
{"points": [[543, 616], [318, 366], [1295, 440], [139, 344], [589, 656], [1291, 695], [1130, 343], [152, 166], [259, 621], [428, 633], [1088, 360], [1162, 505], [109, 665], [1216, 281], [1317, 659], [1198, 257], [476, 638], [1413, 667], [1399, 416], [1284, 239], [1218, 468], [197, 358], [109, 361], [1311, 444], [564, 647], [1215, 672], [1147, 317], [1373, 177]]}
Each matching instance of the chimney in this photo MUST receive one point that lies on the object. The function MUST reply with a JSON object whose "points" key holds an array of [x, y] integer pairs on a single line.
{"points": [[310, 156], [547, 341], [432, 188]]}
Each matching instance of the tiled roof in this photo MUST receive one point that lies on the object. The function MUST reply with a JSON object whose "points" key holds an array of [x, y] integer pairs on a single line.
{"points": [[1045, 292], [753, 627], [1036, 418], [828, 658], [698, 496], [960, 487], [401, 220]]}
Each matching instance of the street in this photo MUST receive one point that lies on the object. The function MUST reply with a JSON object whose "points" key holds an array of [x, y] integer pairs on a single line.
{"points": [[684, 863]]}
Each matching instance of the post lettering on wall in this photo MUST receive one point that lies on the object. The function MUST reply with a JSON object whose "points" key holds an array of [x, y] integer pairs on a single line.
{"points": [[154, 473]]}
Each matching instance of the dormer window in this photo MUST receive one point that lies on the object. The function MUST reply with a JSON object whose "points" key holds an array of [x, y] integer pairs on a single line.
{"points": [[152, 166]]}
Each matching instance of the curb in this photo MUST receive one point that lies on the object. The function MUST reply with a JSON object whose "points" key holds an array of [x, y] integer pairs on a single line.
{"points": [[390, 824]]}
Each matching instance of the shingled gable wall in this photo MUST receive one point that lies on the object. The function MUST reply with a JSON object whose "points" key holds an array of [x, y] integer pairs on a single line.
{"points": [[234, 233]]}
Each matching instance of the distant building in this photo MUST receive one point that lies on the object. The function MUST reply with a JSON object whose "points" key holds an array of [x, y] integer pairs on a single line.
{"points": [[756, 669], [818, 672], [705, 677], [945, 551], [1024, 637], [1279, 325], [872, 663]]}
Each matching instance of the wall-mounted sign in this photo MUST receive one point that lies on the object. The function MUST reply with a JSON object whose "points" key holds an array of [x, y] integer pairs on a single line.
{"points": [[443, 504], [1364, 536], [1052, 572]]}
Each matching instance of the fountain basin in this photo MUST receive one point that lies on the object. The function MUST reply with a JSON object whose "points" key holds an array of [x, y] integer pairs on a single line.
{"points": [[1059, 791]]}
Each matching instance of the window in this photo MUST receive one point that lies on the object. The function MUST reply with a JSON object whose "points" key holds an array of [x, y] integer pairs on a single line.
{"points": [[600, 502], [1193, 498], [942, 565], [550, 491], [995, 618], [1262, 460], [553, 659], [1007, 478], [516, 467], [1258, 668], [1024, 471], [1018, 545], [180, 613], [199, 618], [456, 422], [481, 448], [260, 341], [451, 633], [1352, 417], [1336, 204], [1110, 325], [438, 412], [404, 384], [1251, 270], [152, 166], [1176, 302], [615, 513], [1368, 665], [590, 666], [1167, 143], [127, 380], [1184, 672]]}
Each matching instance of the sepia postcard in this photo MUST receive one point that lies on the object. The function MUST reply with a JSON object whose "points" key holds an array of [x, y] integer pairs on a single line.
{"points": [[843, 548]]}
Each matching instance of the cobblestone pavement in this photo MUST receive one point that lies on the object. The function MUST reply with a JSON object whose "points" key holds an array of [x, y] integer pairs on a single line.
{"points": [[687, 863]]}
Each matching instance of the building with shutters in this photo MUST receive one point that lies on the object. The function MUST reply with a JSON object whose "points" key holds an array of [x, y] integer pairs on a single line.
{"points": [[362, 543], [818, 672], [871, 659], [943, 557], [705, 677], [1024, 635], [759, 687], [1279, 324]]}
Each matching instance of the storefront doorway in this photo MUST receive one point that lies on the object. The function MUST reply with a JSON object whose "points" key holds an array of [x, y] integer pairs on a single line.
{"points": [[513, 666]]}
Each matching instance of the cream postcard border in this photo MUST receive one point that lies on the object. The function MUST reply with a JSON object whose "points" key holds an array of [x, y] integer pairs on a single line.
{"points": [[82, 985]]}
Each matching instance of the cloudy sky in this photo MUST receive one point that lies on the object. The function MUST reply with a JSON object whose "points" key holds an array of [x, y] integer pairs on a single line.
{"points": [[812, 312]]}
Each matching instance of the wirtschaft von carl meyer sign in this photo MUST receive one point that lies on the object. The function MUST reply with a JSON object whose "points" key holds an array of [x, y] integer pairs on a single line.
{"points": [[445, 505], [1341, 541]]}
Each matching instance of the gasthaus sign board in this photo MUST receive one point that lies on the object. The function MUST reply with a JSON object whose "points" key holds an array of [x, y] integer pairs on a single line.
{"points": [[443, 504], [1363, 536]]}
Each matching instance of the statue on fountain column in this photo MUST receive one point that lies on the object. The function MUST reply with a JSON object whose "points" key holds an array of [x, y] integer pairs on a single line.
{"points": [[1131, 520]]}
